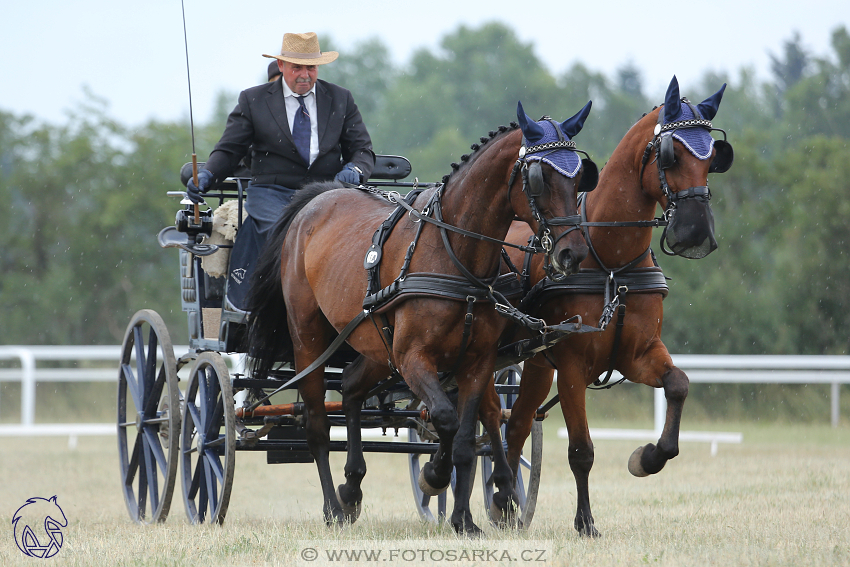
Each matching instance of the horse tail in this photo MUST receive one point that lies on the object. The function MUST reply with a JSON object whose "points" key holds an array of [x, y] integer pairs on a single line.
{"points": [[267, 340]]}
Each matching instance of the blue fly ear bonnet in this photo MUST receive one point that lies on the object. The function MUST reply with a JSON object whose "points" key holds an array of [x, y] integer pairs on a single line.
{"points": [[539, 135], [691, 125]]}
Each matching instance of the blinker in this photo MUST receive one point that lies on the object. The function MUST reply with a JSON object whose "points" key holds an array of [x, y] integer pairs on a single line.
{"points": [[666, 155], [535, 179], [589, 176], [723, 157]]}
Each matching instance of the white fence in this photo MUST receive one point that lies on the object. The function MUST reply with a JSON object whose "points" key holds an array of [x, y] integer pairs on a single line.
{"points": [[715, 369], [29, 374], [740, 369]]}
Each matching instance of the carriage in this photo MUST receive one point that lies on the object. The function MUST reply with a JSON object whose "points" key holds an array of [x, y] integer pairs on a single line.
{"points": [[219, 412], [193, 430]]}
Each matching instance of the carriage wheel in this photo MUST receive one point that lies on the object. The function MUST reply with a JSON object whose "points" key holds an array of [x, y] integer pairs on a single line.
{"points": [[416, 461], [148, 403], [208, 441], [528, 476], [423, 501]]}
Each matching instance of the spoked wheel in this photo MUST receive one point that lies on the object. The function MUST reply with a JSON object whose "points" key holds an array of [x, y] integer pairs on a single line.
{"points": [[208, 442], [148, 418], [528, 476], [424, 502]]}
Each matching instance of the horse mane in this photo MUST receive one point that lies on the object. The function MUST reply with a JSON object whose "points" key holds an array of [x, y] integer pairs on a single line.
{"points": [[465, 158]]}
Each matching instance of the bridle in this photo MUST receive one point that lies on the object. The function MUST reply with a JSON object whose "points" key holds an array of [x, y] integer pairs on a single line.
{"points": [[534, 187], [662, 145]]}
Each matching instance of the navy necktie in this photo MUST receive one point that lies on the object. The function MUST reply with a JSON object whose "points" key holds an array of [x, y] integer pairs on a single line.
{"points": [[301, 130]]}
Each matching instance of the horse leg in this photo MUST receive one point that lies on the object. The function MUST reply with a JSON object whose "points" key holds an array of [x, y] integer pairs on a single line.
{"points": [[357, 379], [505, 502], [650, 459], [436, 475], [533, 389], [571, 391], [317, 429], [470, 392]]}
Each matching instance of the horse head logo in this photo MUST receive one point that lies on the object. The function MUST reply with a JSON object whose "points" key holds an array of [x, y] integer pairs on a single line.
{"points": [[38, 527], [238, 275]]}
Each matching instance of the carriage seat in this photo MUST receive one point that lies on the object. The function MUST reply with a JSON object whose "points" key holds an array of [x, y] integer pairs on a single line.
{"points": [[387, 168]]}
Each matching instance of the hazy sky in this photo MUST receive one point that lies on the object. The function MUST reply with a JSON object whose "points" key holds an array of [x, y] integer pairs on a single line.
{"points": [[132, 53]]}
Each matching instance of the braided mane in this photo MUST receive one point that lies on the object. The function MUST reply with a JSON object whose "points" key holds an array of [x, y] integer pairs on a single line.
{"points": [[475, 147]]}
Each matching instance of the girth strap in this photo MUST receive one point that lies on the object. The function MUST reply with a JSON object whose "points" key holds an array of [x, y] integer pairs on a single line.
{"points": [[444, 286], [639, 280]]}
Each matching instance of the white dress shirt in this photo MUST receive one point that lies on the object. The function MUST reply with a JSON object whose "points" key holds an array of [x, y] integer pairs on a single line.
{"points": [[292, 107]]}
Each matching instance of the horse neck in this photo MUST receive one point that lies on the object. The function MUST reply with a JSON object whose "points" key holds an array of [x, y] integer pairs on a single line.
{"points": [[475, 198], [620, 196]]}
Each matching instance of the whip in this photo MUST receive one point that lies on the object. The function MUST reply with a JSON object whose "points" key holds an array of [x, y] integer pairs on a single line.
{"points": [[191, 120]]}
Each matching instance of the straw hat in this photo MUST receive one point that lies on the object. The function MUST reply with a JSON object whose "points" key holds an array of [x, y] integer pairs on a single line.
{"points": [[303, 49]]}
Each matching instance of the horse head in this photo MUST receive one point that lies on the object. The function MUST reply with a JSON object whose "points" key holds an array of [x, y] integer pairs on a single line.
{"points": [[552, 175], [684, 154]]}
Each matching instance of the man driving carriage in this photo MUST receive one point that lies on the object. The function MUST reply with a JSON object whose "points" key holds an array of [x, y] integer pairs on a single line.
{"points": [[297, 130]]}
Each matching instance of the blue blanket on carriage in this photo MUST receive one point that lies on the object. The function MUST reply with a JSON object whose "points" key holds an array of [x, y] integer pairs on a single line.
{"points": [[243, 257]]}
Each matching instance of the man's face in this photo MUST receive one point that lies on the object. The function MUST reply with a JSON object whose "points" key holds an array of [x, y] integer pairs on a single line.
{"points": [[299, 78]]}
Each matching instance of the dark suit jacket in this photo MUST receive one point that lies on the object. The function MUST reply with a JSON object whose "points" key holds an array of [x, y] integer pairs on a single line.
{"points": [[259, 122]]}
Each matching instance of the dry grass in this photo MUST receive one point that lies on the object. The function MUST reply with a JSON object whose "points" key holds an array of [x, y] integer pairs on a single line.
{"points": [[781, 498]]}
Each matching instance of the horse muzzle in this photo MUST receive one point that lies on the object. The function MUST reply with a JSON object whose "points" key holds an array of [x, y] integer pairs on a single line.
{"points": [[690, 229], [567, 256]]}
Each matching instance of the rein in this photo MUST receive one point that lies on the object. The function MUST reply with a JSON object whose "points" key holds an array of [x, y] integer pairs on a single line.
{"points": [[375, 299], [396, 199], [434, 207]]}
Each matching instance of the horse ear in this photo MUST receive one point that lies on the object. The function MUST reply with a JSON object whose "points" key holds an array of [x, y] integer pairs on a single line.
{"points": [[573, 126], [708, 107], [532, 131], [672, 101]]}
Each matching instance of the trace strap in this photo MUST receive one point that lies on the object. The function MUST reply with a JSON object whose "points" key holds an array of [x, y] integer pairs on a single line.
{"points": [[319, 361]]}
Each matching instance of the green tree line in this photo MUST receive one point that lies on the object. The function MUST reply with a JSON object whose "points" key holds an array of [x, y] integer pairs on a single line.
{"points": [[87, 197]]}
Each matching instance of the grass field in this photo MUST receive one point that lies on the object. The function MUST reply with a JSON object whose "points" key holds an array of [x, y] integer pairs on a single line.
{"points": [[780, 498]]}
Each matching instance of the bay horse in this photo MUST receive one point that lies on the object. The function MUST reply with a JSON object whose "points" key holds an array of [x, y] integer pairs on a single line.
{"points": [[436, 318], [664, 159]]}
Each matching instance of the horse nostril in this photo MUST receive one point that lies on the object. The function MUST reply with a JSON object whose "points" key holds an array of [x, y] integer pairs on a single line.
{"points": [[567, 261]]}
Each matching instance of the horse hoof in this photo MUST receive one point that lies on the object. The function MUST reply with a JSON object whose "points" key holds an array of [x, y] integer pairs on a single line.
{"points": [[589, 531], [427, 488], [505, 519], [351, 511], [468, 529], [336, 520], [585, 528], [634, 463]]}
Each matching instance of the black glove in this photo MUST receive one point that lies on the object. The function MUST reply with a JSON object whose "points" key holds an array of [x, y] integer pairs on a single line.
{"points": [[204, 182], [350, 173]]}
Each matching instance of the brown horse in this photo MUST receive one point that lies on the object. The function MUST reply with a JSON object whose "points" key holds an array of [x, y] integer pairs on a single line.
{"points": [[664, 159], [311, 276]]}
